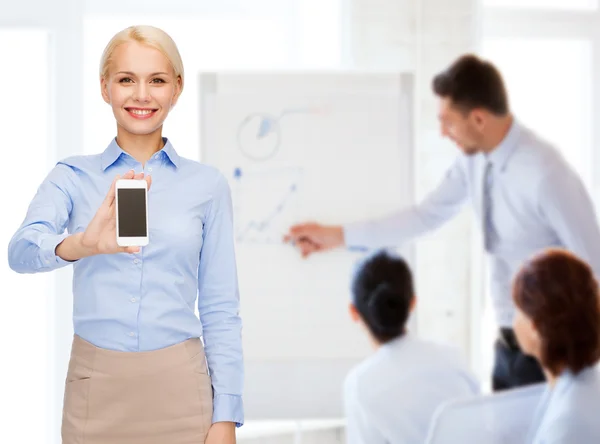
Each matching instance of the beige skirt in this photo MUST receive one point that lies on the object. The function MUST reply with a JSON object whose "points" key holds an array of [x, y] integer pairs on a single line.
{"points": [[156, 397]]}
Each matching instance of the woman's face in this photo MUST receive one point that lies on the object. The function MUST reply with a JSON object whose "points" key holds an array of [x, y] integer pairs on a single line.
{"points": [[527, 335], [141, 87]]}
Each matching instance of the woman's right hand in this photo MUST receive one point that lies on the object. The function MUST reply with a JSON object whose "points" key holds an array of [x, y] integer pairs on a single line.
{"points": [[100, 236]]}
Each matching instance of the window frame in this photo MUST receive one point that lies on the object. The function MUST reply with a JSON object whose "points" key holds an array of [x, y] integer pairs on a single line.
{"points": [[45, 292]]}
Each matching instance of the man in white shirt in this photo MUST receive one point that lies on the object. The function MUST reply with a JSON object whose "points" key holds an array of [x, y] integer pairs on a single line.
{"points": [[524, 193]]}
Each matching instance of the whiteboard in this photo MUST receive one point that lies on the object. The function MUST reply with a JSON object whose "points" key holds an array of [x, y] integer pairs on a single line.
{"points": [[333, 147]]}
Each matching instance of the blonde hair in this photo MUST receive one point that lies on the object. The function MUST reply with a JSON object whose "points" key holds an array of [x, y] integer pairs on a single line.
{"points": [[147, 35]]}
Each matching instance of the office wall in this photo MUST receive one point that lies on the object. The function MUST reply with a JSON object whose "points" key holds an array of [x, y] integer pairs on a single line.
{"points": [[425, 36]]}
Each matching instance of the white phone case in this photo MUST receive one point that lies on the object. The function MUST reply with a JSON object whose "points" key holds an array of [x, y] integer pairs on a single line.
{"points": [[137, 241]]}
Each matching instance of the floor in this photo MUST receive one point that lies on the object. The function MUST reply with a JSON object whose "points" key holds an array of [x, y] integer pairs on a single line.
{"points": [[292, 432]]}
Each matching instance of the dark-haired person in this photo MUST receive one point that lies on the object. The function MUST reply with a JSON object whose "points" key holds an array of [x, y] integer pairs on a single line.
{"points": [[558, 322], [392, 395], [525, 195]]}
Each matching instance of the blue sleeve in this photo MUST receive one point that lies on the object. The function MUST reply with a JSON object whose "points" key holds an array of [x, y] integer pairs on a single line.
{"points": [[32, 248], [218, 305]]}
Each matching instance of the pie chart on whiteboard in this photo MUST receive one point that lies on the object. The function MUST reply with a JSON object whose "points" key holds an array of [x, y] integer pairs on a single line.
{"points": [[259, 136]]}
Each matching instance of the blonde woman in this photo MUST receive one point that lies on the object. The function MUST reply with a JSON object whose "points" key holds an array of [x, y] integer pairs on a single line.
{"points": [[138, 371]]}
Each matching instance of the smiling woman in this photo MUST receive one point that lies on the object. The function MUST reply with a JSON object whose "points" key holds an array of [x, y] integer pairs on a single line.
{"points": [[205, 44], [141, 80], [139, 371]]}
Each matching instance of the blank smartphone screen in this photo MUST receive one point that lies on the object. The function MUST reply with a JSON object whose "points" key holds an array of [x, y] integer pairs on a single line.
{"points": [[132, 212]]}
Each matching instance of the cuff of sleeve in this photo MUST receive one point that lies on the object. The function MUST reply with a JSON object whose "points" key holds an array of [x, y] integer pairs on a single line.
{"points": [[356, 235], [228, 408], [48, 251]]}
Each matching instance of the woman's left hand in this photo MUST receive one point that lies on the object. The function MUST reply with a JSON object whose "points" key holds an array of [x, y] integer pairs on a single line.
{"points": [[221, 433]]}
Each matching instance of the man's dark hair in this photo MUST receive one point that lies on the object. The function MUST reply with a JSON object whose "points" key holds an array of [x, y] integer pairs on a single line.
{"points": [[472, 83]]}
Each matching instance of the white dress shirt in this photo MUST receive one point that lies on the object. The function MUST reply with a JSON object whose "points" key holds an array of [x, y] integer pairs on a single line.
{"points": [[537, 201], [391, 396], [569, 413]]}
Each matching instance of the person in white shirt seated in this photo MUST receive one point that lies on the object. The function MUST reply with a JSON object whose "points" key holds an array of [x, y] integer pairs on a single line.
{"points": [[558, 322], [392, 395]]}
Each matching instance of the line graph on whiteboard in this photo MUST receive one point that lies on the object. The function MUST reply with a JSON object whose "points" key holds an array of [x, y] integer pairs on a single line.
{"points": [[265, 195], [264, 203], [260, 136]]}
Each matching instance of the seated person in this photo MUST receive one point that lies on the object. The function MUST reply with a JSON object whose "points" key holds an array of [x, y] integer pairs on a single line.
{"points": [[392, 395], [558, 322]]}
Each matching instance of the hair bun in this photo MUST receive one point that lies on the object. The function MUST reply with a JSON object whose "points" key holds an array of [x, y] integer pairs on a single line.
{"points": [[384, 307], [382, 293]]}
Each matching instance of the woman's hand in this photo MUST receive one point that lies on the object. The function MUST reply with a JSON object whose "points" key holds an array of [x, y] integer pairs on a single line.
{"points": [[221, 433], [100, 236]]}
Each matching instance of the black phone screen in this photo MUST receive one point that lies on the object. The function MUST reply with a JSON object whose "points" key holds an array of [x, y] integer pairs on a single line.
{"points": [[132, 212]]}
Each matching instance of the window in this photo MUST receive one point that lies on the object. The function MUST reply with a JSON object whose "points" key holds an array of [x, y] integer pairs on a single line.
{"points": [[544, 4], [25, 319], [552, 96], [320, 34]]}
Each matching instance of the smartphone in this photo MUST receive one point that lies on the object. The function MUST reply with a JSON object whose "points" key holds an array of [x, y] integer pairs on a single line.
{"points": [[132, 212]]}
